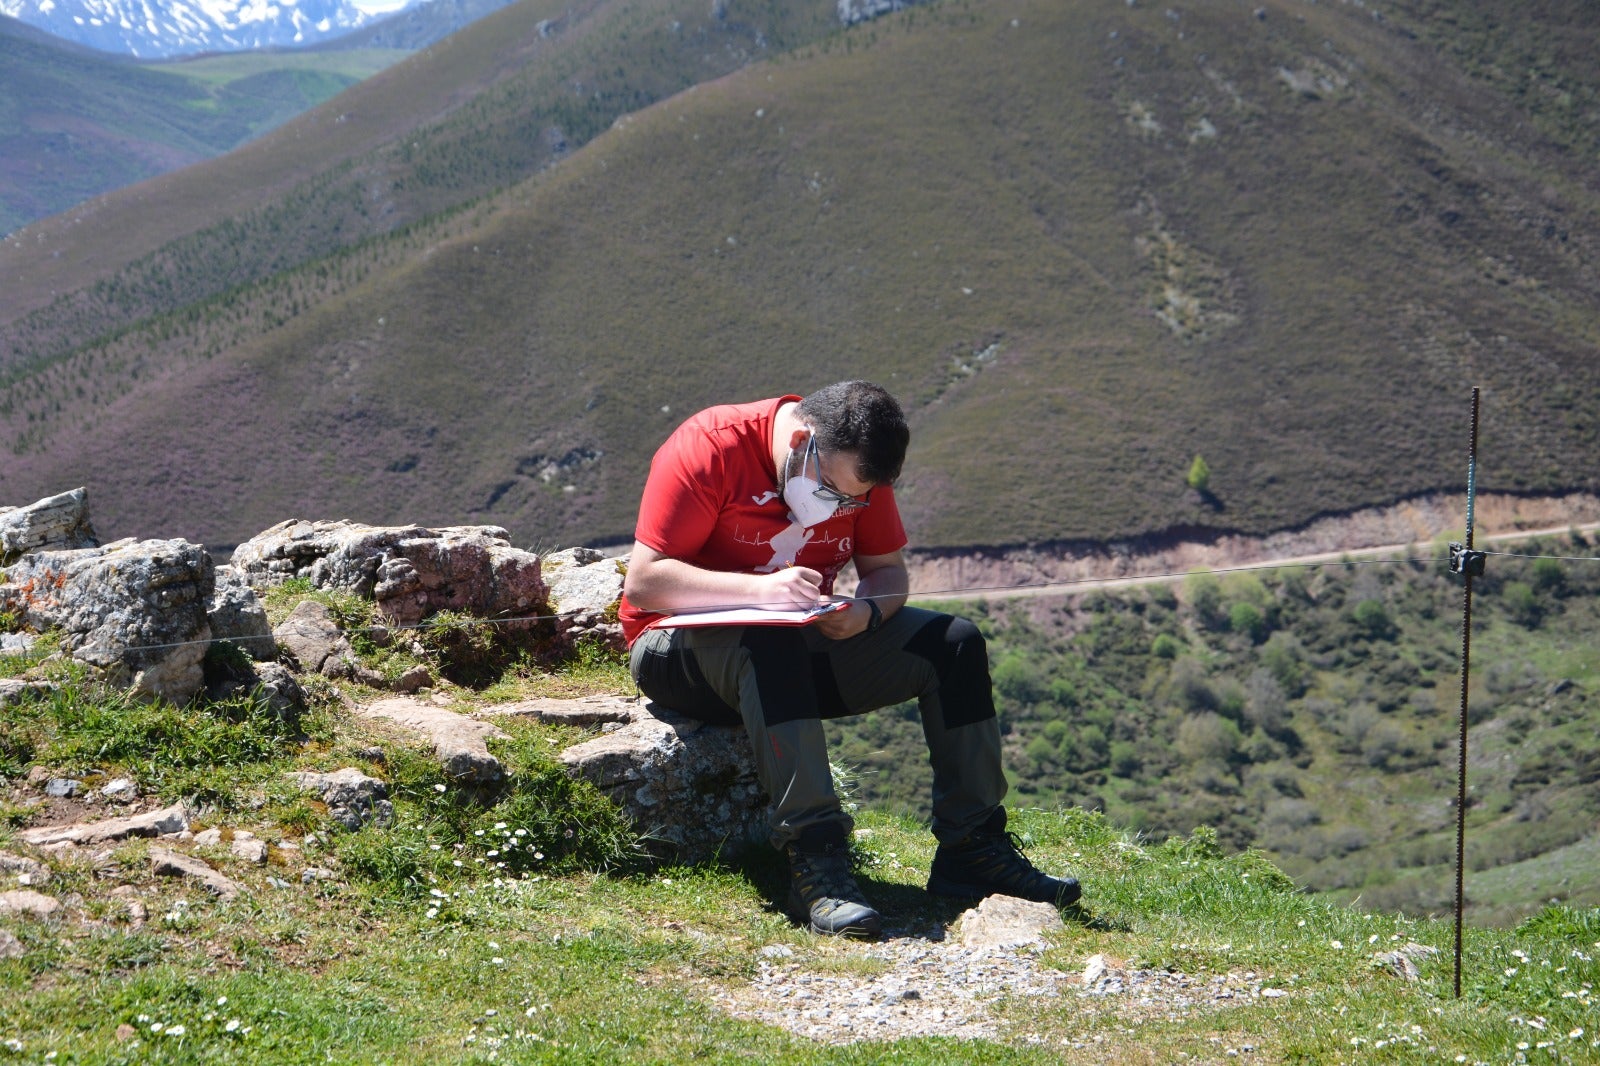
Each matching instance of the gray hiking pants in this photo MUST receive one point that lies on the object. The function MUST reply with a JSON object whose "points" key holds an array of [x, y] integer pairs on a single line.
{"points": [[782, 681]]}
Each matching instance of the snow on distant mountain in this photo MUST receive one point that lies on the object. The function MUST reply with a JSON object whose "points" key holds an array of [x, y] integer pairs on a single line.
{"points": [[156, 28]]}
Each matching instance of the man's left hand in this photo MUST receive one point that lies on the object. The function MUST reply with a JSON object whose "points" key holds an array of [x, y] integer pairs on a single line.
{"points": [[842, 625]]}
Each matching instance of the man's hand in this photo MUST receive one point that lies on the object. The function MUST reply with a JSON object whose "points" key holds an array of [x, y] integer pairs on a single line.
{"points": [[842, 625], [794, 588]]}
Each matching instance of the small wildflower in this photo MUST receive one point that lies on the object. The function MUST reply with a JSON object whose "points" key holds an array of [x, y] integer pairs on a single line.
{"points": [[222, 1000], [1575, 1033], [497, 961], [1511, 971], [438, 788], [176, 1030], [1336, 945], [233, 1023]]}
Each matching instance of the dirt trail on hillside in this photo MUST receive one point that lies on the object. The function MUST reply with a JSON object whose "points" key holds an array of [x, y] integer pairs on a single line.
{"points": [[1411, 526]]}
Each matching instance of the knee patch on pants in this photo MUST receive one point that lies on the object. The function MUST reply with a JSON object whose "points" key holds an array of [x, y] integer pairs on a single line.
{"points": [[960, 660], [793, 683]]}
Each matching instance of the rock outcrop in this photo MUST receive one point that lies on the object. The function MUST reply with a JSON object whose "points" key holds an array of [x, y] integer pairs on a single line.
{"points": [[57, 522], [134, 610], [353, 798], [460, 743], [410, 572], [236, 614], [313, 642], [585, 588], [164, 822], [689, 788]]}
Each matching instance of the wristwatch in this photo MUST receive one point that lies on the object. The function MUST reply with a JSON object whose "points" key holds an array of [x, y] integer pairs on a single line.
{"points": [[877, 615]]}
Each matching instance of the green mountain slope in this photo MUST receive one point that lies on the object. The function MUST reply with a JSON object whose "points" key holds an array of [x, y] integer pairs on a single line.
{"points": [[475, 114], [75, 123], [1311, 712], [1084, 242]]}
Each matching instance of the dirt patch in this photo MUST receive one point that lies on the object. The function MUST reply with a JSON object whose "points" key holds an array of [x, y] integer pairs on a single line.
{"points": [[1408, 525]]}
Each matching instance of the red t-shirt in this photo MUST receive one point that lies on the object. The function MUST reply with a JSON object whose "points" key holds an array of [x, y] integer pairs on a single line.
{"points": [[712, 500]]}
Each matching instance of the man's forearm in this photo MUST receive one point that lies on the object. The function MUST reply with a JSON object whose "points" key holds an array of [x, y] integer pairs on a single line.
{"points": [[668, 584], [887, 586], [657, 582]]}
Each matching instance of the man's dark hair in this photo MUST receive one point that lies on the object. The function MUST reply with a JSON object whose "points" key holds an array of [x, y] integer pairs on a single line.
{"points": [[860, 417]]}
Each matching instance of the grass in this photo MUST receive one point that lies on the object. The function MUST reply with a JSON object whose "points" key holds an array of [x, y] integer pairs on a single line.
{"points": [[996, 255], [613, 968], [521, 923]]}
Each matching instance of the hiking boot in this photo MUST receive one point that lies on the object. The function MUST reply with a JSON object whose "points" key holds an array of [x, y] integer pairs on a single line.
{"points": [[822, 892], [989, 862]]}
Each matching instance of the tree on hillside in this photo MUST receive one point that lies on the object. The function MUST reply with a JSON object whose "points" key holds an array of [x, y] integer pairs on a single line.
{"points": [[1199, 477]]}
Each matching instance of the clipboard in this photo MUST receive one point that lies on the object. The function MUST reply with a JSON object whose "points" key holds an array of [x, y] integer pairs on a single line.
{"points": [[747, 616]]}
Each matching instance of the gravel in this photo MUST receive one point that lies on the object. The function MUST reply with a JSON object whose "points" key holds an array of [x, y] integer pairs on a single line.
{"points": [[925, 985]]}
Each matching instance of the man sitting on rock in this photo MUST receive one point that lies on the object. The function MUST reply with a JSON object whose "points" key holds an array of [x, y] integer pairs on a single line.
{"points": [[762, 504]]}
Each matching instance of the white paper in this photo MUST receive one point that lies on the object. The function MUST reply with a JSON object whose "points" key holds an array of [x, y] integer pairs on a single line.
{"points": [[747, 616]]}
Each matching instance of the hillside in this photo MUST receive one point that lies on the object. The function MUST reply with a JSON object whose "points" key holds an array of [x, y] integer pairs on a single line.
{"points": [[1310, 712], [1088, 240], [76, 123]]}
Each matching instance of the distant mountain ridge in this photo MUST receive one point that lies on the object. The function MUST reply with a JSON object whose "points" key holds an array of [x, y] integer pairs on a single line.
{"points": [[1083, 242], [77, 122], [416, 26], [154, 28]]}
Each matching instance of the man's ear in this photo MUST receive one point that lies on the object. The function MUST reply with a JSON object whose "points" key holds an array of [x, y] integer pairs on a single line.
{"points": [[799, 437]]}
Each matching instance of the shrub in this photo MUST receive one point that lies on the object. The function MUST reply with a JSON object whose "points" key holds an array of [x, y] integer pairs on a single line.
{"points": [[1204, 593], [1199, 476], [1124, 759], [1549, 575], [1247, 621], [1208, 737], [1372, 618], [1522, 604]]}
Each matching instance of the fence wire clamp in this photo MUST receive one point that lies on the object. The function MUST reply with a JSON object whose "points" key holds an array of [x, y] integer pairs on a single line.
{"points": [[1464, 560]]}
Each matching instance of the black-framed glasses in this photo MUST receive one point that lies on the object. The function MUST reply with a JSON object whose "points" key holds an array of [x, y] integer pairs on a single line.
{"points": [[828, 493]]}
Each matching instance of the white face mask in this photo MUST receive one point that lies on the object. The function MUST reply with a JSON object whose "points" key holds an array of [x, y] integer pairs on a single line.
{"points": [[799, 490]]}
